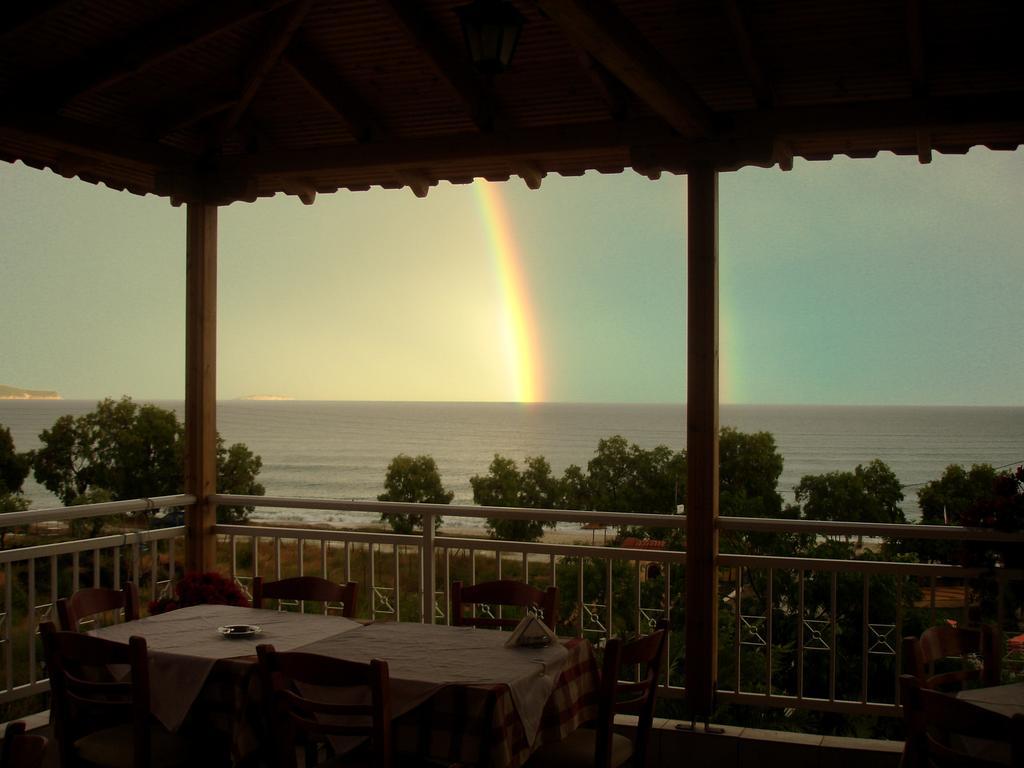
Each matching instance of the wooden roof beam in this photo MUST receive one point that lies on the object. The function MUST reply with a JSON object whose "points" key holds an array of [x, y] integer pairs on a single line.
{"points": [[924, 146], [82, 139], [531, 173], [324, 84], [614, 93], [451, 67], [18, 15], [744, 45], [916, 50], [524, 146], [602, 30], [137, 51], [858, 119], [418, 181], [283, 30], [188, 113]]}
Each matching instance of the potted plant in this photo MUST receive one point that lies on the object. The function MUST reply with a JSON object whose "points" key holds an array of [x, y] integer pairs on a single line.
{"points": [[201, 589]]}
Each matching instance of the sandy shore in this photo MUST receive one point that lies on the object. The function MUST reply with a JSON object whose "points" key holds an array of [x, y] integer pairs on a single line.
{"points": [[561, 536]]}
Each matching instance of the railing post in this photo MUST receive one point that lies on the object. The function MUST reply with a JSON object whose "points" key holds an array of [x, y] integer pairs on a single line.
{"points": [[200, 385], [702, 441], [427, 565]]}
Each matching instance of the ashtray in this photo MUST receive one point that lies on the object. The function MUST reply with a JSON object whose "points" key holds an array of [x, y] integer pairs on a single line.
{"points": [[539, 642], [240, 630]]}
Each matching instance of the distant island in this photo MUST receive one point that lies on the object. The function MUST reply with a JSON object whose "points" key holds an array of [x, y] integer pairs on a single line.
{"points": [[265, 397], [14, 393]]}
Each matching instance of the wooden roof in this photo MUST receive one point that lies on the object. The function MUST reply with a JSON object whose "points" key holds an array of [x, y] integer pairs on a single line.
{"points": [[237, 99]]}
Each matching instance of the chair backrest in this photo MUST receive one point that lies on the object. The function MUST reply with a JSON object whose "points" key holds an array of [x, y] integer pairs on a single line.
{"points": [[629, 697], [945, 642], [85, 694], [915, 746], [22, 750], [300, 718], [955, 728], [307, 588], [505, 593], [92, 601]]}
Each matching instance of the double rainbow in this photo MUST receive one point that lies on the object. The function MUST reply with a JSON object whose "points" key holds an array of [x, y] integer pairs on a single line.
{"points": [[520, 329]]}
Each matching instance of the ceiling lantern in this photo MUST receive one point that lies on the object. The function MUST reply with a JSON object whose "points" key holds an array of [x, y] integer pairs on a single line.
{"points": [[491, 30]]}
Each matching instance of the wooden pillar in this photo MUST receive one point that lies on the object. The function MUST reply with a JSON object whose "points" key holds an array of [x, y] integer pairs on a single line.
{"points": [[702, 441], [200, 384]]}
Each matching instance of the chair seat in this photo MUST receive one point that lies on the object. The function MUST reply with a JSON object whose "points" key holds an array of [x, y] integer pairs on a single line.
{"points": [[115, 747], [577, 749]]}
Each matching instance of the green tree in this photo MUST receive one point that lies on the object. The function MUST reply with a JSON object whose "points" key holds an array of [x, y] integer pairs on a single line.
{"points": [[123, 450], [948, 500], [575, 493], [624, 477], [237, 468], [869, 494], [505, 486], [749, 469], [413, 480], [14, 468]]}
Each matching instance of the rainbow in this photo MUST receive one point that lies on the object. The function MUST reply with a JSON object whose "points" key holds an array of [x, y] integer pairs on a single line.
{"points": [[520, 332]]}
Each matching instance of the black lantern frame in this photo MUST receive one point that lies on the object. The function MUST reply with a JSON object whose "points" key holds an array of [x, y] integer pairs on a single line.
{"points": [[491, 31]]}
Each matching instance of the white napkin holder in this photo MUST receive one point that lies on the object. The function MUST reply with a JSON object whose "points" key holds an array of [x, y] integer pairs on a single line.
{"points": [[531, 632]]}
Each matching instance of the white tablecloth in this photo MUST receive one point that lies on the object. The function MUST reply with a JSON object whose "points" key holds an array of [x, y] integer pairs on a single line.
{"points": [[1005, 699], [423, 658], [184, 645]]}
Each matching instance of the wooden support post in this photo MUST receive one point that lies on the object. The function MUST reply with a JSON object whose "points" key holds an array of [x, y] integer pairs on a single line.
{"points": [[702, 442], [201, 385]]}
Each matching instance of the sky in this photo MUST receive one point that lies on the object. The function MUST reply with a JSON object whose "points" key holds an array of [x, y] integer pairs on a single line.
{"points": [[845, 282]]}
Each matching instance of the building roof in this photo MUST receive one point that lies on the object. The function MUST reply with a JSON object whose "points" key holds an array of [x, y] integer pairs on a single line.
{"points": [[238, 99]]}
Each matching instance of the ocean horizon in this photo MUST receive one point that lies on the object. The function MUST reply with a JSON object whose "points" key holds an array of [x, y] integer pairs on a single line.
{"points": [[341, 449]]}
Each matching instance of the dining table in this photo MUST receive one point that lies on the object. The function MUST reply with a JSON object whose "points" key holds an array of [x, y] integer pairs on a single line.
{"points": [[459, 694], [1005, 699]]}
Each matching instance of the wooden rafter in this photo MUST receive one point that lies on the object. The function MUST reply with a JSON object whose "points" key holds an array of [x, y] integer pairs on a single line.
{"points": [[916, 49], [745, 47], [918, 73], [754, 138], [602, 30], [283, 29], [324, 84], [17, 15], [614, 93], [526, 145], [188, 114], [451, 67], [136, 52], [95, 142]]}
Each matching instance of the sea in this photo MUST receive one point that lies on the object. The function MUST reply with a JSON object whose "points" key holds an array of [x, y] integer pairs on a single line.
{"points": [[340, 450]]}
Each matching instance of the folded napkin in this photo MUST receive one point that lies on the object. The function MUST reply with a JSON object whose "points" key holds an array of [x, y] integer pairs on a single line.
{"points": [[531, 632]]}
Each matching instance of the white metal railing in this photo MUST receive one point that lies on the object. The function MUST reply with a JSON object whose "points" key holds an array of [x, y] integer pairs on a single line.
{"points": [[755, 621], [34, 577], [874, 613], [764, 599]]}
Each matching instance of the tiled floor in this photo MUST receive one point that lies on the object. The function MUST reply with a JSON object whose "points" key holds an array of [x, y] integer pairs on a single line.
{"points": [[755, 748], [739, 747]]}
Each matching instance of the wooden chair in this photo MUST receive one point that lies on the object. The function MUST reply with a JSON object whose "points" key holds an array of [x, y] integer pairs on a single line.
{"points": [[93, 601], [915, 745], [22, 750], [510, 593], [960, 733], [300, 721], [944, 642], [307, 588], [98, 719], [601, 746]]}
